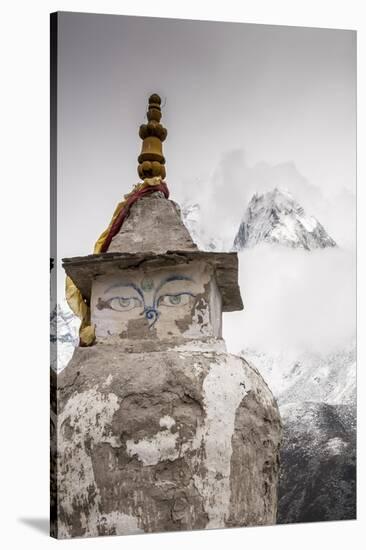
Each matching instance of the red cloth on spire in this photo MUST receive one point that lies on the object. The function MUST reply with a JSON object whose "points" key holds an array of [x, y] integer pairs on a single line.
{"points": [[116, 226]]}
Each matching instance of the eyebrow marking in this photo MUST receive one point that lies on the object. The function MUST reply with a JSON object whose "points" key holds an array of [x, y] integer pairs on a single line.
{"points": [[173, 278]]}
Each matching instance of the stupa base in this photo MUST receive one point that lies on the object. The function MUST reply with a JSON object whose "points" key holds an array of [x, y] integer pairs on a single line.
{"points": [[163, 441]]}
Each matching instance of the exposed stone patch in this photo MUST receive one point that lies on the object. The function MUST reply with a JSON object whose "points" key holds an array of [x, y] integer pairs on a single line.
{"points": [[197, 322], [153, 225], [117, 523], [254, 460], [80, 427], [138, 329]]}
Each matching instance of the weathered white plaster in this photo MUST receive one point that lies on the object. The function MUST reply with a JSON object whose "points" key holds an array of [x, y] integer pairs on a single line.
{"points": [[108, 380], [223, 392], [75, 472], [152, 450], [211, 344], [166, 421]]}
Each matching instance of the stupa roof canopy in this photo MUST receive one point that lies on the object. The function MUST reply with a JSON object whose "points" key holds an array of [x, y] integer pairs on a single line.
{"points": [[154, 235]]}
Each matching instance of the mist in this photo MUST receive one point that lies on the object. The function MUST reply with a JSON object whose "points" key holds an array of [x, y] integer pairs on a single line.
{"points": [[224, 193], [294, 300]]}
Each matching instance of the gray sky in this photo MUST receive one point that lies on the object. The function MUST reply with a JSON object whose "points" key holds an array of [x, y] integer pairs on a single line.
{"points": [[245, 105]]}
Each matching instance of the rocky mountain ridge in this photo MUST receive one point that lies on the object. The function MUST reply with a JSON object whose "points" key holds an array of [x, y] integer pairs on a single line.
{"points": [[277, 218]]}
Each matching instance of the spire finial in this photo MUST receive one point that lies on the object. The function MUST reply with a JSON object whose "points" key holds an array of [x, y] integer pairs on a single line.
{"points": [[151, 160]]}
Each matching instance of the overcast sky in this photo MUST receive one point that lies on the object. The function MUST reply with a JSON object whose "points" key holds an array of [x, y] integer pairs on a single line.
{"points": [[246, 106]]}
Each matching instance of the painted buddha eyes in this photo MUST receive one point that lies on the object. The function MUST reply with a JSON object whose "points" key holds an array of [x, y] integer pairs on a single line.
{"points": [[148, 300], [174, 300], [119, 303]]}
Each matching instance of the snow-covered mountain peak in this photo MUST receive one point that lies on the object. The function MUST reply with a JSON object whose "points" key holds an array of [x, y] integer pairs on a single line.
{"points": [[64, 335], [276, 217]]}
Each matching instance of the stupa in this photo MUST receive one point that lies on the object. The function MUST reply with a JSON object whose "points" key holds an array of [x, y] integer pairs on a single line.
{"points": [[158, 427]]}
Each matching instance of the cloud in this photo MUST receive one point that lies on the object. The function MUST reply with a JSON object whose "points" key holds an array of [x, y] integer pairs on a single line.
{"points": [[225, 191], [294, 300]]}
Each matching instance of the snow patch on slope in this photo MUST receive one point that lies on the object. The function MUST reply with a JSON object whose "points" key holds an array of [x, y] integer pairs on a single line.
{"points": [[324, 378], [64, 335]]}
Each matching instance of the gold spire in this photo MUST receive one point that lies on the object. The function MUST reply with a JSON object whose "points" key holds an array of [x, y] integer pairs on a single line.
{"points": [[151, 160]]}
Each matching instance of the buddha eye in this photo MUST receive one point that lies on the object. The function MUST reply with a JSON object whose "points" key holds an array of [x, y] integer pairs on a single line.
{"points": [[175, 300], [120, 303]]}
